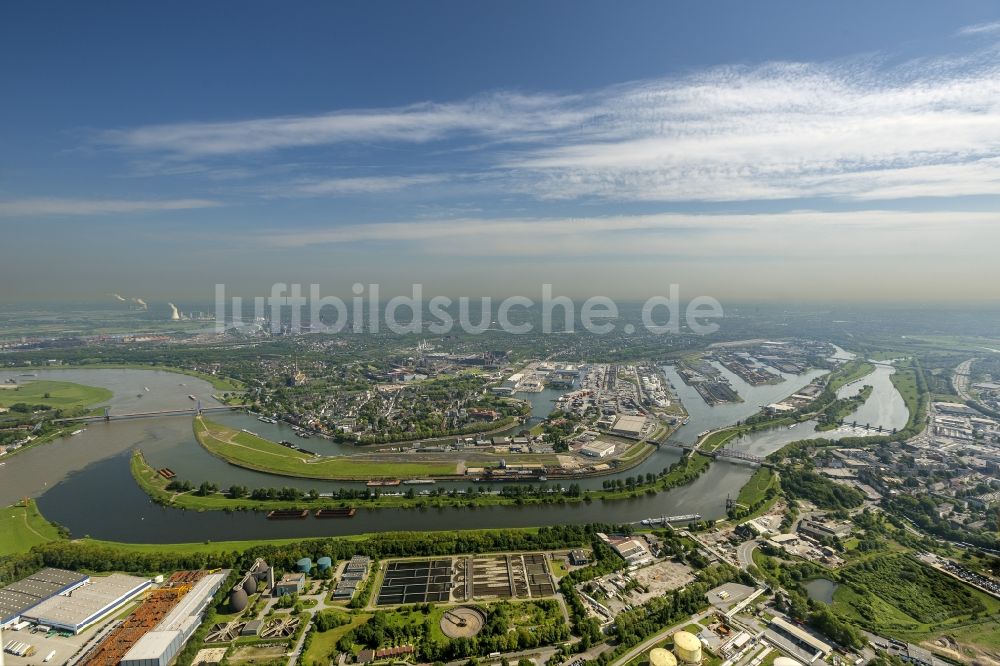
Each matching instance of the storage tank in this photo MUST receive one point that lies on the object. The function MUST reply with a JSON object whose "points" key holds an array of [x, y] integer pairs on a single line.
{"points": [[687, 647], [304, 565], [661, 657], [237, 600], [250, 585], [786, 661], [324, 563]]}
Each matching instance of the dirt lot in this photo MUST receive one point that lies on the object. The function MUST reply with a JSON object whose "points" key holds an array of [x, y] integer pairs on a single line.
{"points": [[618, 590], [253, 653]]}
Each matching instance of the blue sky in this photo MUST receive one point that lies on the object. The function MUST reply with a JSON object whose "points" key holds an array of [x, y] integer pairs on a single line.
{"points": [[744, 150]]}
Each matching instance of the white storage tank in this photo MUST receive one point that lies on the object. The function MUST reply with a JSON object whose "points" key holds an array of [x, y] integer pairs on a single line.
{"points": [[661, 657], [687, 647]]}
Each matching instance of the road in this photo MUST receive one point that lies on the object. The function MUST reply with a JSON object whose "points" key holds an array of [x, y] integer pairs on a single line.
{"points": [[744, 553], [960, 380]]}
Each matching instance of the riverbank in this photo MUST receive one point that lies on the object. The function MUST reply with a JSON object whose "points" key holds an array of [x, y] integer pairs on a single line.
{"points": [[22, 527]]}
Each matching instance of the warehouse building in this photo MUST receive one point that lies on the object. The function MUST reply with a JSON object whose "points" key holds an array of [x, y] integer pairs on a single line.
{"points": [[88, 603], [598, 449], [21, 597], [629, 426], [800, 637], [159, 646]]}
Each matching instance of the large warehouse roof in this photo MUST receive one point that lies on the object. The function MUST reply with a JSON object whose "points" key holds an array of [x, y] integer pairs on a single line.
{"points": [[89, 602], [629, 424], [25, 594], [802, 635]]}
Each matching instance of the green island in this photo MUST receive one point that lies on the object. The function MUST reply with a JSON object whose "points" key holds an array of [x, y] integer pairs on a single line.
{"points": [[207, 496], [833, 414], [246, 449], [851, 371]]}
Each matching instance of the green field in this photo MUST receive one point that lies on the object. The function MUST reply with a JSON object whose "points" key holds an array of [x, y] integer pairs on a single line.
{"points": [[247, 450], [323, 644], [897, 596], [717, 439], [23, 527], [905, 381], [55, 395], [756, 488]]}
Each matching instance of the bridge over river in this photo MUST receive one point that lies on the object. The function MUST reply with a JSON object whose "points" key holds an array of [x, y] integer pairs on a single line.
{"points": [[731, 454], [108, 416]]}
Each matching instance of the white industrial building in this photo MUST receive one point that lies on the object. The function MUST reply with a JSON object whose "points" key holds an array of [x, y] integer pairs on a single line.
{"points": [[20, 598], [598, 449], [159, 646], [84, 605]]}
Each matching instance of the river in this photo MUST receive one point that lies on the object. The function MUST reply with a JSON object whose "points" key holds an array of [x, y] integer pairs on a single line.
{"points": [[83, 481]]}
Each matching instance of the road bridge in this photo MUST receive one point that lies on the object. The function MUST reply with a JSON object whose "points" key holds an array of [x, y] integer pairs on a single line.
{"points": [[108, 416], [732, 454]]}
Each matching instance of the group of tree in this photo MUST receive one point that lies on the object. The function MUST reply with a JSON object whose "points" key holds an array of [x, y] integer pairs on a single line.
{"points": [[106, 557], [809, 485]]}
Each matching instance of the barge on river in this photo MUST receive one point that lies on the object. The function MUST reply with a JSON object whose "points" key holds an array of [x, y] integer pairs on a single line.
{"points": [[287, 514], [343, 512]]}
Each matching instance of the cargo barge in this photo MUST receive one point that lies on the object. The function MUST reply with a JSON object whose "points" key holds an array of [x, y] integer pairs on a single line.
{"points": [[344, 512], [383, 482], [287, 514]]}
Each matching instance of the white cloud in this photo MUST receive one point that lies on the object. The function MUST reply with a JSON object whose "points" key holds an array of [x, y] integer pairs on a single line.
{"points": [[980, 28], [50, 206], [502, 115], [856, 130], [361, 185]]}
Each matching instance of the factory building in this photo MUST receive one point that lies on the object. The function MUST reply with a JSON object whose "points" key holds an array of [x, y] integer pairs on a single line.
{"points": [[290, 583], [800, 637], [84, 605], [23, 596], [598, 449], [629, 426], [159, 646]]}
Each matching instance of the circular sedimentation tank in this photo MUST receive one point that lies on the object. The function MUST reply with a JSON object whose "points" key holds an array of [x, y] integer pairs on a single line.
{"points": [[687, 647], [462, 621], [661, 657]]}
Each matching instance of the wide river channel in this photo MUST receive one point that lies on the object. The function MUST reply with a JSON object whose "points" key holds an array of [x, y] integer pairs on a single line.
{"points": [[83, 481]]}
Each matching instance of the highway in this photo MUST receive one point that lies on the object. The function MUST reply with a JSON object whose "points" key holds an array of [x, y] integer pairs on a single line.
{"points": [[960, 380]]}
